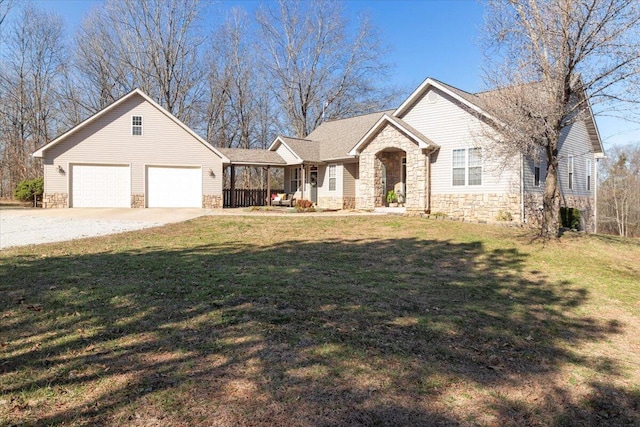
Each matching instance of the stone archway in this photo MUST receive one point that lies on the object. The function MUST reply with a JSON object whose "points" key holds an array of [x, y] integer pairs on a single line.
{"points": [[390, 175]]}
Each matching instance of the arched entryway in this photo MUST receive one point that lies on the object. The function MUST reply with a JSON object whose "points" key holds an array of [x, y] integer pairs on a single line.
{"points": [[390, 175]]}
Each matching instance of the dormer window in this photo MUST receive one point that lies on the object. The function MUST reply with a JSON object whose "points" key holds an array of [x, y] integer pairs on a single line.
{"points": [[136, 125]]}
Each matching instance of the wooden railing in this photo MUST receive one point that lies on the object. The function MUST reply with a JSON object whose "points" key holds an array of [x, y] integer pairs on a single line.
{"points": [[246, 198]]}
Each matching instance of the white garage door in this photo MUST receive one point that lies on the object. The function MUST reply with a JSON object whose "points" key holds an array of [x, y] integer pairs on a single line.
{"points": [[174, 187], [100, 186]]}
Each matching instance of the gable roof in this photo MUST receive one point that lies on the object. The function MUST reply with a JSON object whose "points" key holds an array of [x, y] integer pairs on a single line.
{"points": [[304, 150], [479, 102], [337, 137], [123, 99], [415, 135], [252, 156]]}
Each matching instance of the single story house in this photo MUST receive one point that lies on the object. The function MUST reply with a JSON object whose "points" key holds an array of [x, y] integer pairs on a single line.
{"points": [[427, 151]]}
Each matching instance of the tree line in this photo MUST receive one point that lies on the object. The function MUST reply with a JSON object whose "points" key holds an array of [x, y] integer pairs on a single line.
{"points": [[237, 81], [289, 65]]}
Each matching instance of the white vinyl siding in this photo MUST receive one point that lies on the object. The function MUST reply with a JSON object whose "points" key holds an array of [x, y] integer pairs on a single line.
{"points": [[575, 143], [332, 177], [108, 140], [446, 123]]}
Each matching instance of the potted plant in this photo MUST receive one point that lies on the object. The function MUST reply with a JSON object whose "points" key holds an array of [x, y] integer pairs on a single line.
{"points": [[392, 199]]}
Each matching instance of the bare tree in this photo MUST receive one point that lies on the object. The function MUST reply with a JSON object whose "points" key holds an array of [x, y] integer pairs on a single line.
{"points": [[317, 67], [551, 60], [29, 91], [619, 200], [150, 44]]}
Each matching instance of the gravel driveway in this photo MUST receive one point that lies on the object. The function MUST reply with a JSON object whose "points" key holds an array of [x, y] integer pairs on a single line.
{"points": [[21, 227]]}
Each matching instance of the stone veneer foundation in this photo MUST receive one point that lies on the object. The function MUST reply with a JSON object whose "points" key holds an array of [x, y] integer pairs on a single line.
{"points": [[483, 207], [210, 201], [55, 200], [137, 201], [329, 202], [348, 202], [533, 209]]}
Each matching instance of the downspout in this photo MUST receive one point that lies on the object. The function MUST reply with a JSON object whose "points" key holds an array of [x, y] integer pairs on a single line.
{"points": [[595, 196], [523, 217], [427, 192]]}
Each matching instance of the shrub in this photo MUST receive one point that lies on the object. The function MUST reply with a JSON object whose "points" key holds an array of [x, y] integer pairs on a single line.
{"points": [[25, 190], [504, 216], [570, 218], [304, 204], [392, 197]]}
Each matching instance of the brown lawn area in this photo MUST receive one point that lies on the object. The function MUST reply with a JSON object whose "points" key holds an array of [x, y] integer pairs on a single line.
{"points": [[314, 321]]}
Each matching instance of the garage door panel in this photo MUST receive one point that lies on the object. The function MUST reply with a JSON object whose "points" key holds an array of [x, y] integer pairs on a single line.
{"points": [[100, 186], [174, 187]]}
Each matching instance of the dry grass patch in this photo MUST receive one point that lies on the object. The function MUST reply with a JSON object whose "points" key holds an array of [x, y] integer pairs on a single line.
{"points": [[300, 321]]}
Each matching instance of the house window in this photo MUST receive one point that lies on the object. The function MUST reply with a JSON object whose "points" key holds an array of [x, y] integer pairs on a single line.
{"points": [[467, 167], [295, 179], [475, 166], [332, 177], [589, 165], [536, 168], [136, 125], [459, 167], [570, 167]]}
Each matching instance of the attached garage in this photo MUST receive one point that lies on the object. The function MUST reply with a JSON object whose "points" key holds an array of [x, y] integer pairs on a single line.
{"points": [[100, 186], [132, 154], [174, 187]]}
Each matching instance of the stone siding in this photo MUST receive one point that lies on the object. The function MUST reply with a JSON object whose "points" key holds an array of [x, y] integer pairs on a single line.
{"points": [[533, 210], [137, 201], [348, 202], [329, 202], [210, 201], [482, 207], [55, 200], [388, 145]]}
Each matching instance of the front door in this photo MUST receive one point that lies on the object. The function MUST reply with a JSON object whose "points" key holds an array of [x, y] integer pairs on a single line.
{"points": [[313, 182]]}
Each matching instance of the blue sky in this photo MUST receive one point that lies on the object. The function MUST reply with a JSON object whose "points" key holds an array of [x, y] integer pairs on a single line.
{"points": [[429, 38]]}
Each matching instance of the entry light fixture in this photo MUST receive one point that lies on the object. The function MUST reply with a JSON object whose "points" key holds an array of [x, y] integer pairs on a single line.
{"points": [[60, 170], [212, 173]]}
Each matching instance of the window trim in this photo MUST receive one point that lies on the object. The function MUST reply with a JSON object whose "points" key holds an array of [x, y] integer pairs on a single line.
{"points": [[296, 177], [136, 126], [467, 167], [332, 170], [537, 167], [570, 170], [454, 167], [589, 166]]}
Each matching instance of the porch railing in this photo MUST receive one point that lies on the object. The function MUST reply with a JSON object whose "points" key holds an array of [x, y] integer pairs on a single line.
{"points": [[247, 197]]}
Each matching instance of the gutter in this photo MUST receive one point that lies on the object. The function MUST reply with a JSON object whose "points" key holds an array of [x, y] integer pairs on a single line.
{"points": [[523, 217]]}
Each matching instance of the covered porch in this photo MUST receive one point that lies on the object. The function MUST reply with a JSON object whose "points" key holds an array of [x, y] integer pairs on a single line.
{"points": [[297, 181]]}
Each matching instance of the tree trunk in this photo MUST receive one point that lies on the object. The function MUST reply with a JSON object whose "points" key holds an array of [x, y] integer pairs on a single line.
{"points": [[551, 198]]}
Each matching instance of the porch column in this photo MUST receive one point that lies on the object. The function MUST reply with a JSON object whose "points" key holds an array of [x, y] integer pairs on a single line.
{"points": [[268, 185], [232, 197], [303, 182]]}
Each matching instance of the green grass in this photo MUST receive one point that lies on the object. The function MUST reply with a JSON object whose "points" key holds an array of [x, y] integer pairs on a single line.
{"points": [[299, 321]]}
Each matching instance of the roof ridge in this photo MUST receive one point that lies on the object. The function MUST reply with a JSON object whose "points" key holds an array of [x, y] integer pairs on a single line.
{"points": [[293, 137], [360, 115]]}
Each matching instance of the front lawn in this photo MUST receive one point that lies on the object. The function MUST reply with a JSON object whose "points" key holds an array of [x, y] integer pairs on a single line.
{"points": [[311, 321]]}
